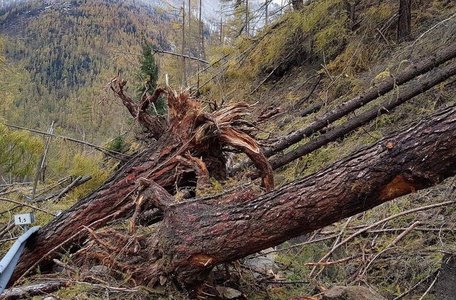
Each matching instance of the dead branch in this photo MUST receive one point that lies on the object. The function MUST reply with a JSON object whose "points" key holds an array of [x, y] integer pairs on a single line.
{"points": [[111, 153]]}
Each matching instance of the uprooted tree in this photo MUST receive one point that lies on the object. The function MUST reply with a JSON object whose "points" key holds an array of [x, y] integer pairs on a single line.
{"points": [[192, 236]]}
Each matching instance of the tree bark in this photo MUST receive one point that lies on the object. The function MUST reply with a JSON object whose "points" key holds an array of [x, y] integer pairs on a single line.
{"points": [[404, 25], [297, 4], [195, 236]]}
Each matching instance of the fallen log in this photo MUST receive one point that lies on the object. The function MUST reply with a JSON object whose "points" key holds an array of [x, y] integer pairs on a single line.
{"points": [[405, 94], [412, 71], [197, 235], [28, 291], [57, 195]]}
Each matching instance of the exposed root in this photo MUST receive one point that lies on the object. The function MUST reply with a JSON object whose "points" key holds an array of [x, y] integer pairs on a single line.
{"points": [[200, 137], [119, 250]]}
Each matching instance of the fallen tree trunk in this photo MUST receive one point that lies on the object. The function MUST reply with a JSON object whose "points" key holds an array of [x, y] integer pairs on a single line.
{"points": [[196, 235], [414, 89], [369, 95]]}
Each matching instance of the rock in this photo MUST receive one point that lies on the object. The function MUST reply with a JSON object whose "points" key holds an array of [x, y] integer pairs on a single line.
{"points": [[100, 270], [351, 293], [228, 293], [264, 264], [445, 288]]}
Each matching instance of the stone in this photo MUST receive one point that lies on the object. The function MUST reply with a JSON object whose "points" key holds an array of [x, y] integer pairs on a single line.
{"points": [[228, 293], [351, 293], [445, 287]]}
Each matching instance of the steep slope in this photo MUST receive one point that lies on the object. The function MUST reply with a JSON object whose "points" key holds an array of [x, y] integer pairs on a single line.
{"points": [[325, 55]]}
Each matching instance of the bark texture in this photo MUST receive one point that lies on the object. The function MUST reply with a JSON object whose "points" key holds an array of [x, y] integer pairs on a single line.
{"points": [[404, 24], [297, 4]]}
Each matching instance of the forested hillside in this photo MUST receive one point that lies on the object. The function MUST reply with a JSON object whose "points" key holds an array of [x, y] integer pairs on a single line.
{"points": [[68, 51], [305, 153]]}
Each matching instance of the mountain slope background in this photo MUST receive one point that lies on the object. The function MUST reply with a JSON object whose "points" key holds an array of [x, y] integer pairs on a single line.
{"points": [[68, 51]]}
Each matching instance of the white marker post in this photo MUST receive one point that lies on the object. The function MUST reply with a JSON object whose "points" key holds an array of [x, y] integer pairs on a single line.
{"points": [[24, 219]]}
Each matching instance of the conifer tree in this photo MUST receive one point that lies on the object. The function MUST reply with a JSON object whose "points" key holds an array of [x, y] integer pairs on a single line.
{"points": [[148, 72], [148, 69]]}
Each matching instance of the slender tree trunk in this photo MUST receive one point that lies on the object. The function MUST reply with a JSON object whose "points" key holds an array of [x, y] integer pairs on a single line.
{"points": [[184, 64], [297, 4], [404, 25], [404, 95], [201, 30], [247, 18]]}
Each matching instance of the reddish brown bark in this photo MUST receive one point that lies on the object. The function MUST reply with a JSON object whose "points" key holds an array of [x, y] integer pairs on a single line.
{"points": [[198, 235], [186, 153]]}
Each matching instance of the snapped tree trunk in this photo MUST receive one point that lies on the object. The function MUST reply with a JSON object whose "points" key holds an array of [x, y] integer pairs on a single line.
{"points": [[404, 24]]}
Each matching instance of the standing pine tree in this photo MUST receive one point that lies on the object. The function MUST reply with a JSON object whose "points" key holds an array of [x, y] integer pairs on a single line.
{"points": [[148, 74]]}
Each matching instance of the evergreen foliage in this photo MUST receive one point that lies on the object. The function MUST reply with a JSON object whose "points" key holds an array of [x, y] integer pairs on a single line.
{"points": [[148, 74], [148, 69]]}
